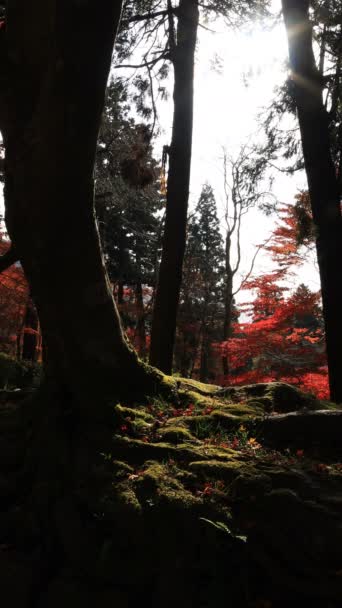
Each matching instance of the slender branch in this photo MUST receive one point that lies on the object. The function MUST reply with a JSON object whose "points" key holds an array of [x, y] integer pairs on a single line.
{"points": [[238, 243], [244, 281], [145, 17], [154, 107], [145, 64]]}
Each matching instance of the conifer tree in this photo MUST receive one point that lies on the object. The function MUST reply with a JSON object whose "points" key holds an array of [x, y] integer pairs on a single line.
{"points": [[202, 291]]}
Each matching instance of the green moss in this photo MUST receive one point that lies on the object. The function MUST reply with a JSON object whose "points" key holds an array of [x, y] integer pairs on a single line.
{"points": [[204, 389], [260, 405], [135, 451], [120, 470], [215, 452], [126, 499], [157, 485], [133, 413], [230, 420], [176, 434], [273, 396], [200, 401], [245, 409], [218, 422], [216, 469]]}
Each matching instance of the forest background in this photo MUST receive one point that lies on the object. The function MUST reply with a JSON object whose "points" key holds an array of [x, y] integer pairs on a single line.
{"points": [[273, 329]]}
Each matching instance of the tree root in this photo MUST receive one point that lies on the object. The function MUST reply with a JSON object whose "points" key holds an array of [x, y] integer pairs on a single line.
{"points": [[304, 428]]}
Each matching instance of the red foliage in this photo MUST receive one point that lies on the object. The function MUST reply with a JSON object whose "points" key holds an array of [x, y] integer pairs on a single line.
{"points": [[15, 303], [293, 234], [13, 300], [283, 338], [282, 341]]}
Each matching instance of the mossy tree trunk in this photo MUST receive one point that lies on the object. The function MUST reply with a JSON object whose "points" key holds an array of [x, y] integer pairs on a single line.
{"points": [[182, 52], [321, 175]]}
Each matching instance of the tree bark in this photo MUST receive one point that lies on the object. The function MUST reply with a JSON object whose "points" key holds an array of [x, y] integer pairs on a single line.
{"points": [[52, 110], [30, 338], [170, 272], [321, 175], [140, 312], [228, 303]]}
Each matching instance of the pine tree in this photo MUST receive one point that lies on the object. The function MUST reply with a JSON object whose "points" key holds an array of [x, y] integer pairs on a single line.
{"points": [[201, 298], [127, 205]]}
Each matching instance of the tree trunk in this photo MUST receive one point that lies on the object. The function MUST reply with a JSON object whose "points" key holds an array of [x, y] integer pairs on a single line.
{"points": [[170, 272], [140, 312], [228, 304], [30, 338], [120, 294], [321, 176], [204, 356], [50, 125]]}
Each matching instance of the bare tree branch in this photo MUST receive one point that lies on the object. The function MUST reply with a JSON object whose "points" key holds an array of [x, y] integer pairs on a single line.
{"points": [[145, 17], [247, 276]]}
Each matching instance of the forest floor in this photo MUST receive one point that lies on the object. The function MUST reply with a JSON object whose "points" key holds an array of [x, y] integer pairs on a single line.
{"points": [[230, 497]]}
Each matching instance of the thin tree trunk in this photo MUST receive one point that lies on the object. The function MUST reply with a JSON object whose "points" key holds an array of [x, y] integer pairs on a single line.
{"points": [[203, 371], [30, 338], [120, 294], [50, 126], [228, 304], [227, 333], [170, 272], [140, 311], [321, 176]]}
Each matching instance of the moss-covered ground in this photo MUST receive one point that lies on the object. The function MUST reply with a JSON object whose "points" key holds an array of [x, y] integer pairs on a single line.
{"points": [[188, 504]]}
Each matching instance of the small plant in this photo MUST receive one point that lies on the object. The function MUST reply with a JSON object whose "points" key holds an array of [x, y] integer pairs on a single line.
{"points": [[219, 525]]}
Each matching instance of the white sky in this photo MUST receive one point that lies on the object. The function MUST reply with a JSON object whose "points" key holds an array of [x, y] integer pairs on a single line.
{"points": [[225, 110], [226, 105]]}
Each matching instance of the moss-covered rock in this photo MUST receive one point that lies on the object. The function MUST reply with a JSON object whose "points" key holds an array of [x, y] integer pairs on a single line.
{"points": [[176, 435]]}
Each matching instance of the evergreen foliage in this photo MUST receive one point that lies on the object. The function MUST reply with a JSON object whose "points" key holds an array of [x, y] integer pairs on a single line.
{"points": [[201, 305]]}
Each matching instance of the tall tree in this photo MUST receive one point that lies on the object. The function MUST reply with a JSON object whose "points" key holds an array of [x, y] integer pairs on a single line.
{"points": [[201, 302], [128, 204], [307, 89], [50, 111], [179, 48], [242, 188], [182, 49]]}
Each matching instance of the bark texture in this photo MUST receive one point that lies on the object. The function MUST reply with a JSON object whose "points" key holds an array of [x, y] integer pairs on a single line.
{"points": [[170, 273], [228, 302], [50, 114], [321, 175]]}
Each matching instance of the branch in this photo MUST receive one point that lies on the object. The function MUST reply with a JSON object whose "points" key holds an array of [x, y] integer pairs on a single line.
{"points": [[145, 64], [244, 281], [145, 17], [154, 107], [238, 243], [8, 259]]}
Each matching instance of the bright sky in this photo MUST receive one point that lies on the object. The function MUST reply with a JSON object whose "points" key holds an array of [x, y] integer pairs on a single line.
{"points": [[235, 77]]}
